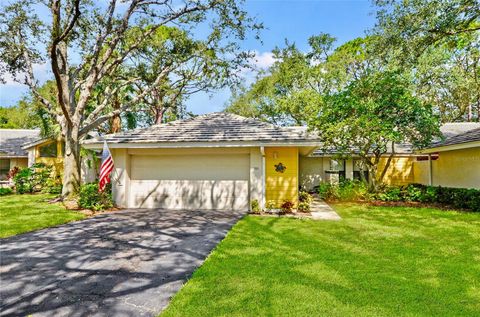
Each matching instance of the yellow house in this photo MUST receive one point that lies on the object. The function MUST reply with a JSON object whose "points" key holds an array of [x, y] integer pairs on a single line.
{"points": [[216, 161], [51, 151], [406, 167], [11, 152], [454, 162], [48, 151]]}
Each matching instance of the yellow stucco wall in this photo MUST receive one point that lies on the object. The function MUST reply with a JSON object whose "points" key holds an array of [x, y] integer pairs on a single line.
{"points": [[457, 168], [400, 172], [55, 162], [281, 186]]}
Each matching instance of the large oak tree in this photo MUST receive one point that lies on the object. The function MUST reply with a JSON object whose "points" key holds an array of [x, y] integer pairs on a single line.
{"points": [[89, 45]]}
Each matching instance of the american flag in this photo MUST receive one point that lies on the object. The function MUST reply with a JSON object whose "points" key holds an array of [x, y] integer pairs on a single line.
{"points": [[106, 168]]}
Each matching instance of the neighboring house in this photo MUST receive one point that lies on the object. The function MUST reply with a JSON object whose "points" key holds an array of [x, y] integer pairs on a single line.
{"points": [[11, 152], [457, 162], [213, 161], [48, 151], [406, 167], [51, 151]]}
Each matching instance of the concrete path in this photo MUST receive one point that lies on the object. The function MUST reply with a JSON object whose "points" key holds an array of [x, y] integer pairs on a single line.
{"points": [[128, 263], [320, 210]]}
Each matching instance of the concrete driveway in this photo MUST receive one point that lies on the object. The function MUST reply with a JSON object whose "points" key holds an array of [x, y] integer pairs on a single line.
{"points": [[128, 263]]}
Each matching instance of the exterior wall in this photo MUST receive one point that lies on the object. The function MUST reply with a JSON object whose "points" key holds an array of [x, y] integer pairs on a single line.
{"points": [[256, 175], [457, 168], [400, 172], [311, 171], [421, 172], [55, 162], [18, 162], [281, 186], [120, 177]]}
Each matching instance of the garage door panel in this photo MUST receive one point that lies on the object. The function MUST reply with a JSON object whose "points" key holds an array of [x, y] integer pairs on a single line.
{"points": [[190, 167], [178, 182]]}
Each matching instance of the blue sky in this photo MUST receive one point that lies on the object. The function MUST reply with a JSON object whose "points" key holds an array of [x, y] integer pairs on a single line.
{"points": [[295, 20]]}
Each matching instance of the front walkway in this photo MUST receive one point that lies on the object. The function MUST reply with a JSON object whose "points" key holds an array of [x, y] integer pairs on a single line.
{"points": [[128, 263], [320, 210]]}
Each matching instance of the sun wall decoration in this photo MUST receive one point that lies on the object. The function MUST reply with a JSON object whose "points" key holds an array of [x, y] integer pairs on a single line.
{"points": [[280, 167]]}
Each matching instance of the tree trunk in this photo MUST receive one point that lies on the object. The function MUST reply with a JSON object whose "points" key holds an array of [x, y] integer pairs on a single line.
{"points": [[71, 164], [116, 124], [159, 113]]}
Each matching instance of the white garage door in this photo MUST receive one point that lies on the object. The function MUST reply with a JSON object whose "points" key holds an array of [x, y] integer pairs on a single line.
{"points": [[218, 182]]}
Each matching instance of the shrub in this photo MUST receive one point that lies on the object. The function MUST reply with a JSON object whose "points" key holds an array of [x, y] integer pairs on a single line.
{"points": [[412, 193], [32, 179], [53, 185], [270, 205], [305, 197], [255, 206], [346, 190], [5, 191], [90, 198], [326, 191], [287, 206], [304, 206], [390, 193]]}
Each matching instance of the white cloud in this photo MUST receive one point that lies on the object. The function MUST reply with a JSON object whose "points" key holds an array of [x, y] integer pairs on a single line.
{"points": [[263, 60], [40, 71]]}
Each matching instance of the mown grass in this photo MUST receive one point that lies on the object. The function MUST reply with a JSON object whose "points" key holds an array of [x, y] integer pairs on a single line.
{"points": [[377, 261], [23, 213]]}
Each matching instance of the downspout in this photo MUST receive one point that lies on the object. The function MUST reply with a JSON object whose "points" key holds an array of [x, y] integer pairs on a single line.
{"points": [[263, 203], [430, 170]]}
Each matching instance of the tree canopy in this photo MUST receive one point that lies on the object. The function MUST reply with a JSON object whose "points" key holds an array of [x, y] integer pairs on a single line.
{"points": [[107, 47]]}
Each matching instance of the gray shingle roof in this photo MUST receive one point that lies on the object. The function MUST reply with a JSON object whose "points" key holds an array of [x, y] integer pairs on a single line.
{"points": [[466, 137], [213, 127], [12, 140]]}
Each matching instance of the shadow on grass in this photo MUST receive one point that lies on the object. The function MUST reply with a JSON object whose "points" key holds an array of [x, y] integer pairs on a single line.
{"points": [[376, 262]]}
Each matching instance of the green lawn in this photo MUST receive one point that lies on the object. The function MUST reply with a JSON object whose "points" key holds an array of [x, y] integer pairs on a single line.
{"points": [[23, 213], [378, 261]]}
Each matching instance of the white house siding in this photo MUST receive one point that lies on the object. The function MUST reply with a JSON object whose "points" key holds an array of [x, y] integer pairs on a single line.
{"points": [[311, 171]]}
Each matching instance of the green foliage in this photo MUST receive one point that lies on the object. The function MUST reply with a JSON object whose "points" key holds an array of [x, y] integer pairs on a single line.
{"points": [[304, 206], [372, 263], [286, 207], [255, 205], [91, 198], [53, 185], [460, 198], [24, 213], [305, 201], [5, 191], [20, 116], [390, 193], [304, 196], [32, 179], [346, 190]]}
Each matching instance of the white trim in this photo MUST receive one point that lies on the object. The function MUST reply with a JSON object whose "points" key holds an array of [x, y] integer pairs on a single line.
{"points": [[263, 202], [208, 144], [461, 146]]}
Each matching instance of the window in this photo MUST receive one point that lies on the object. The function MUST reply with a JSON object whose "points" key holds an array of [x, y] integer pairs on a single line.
{"points": [[337, 167], [4, 168], [357, 170], [49, 150]]}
